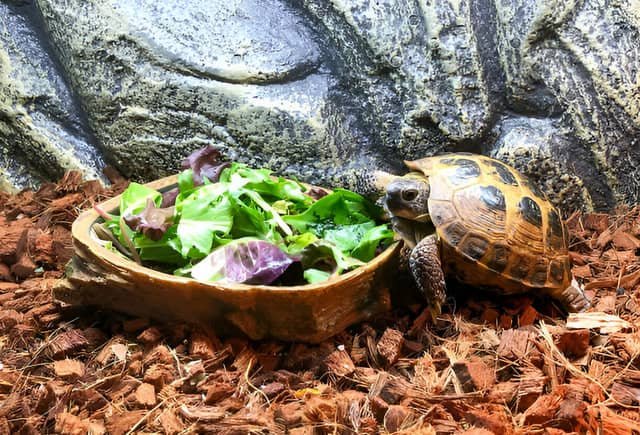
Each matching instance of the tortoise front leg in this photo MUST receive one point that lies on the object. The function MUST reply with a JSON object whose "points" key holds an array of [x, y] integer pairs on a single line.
{"points": [[426, 268]]}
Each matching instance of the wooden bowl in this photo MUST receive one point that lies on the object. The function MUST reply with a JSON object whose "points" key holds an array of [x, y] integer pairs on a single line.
{"points": [[97, 276]]}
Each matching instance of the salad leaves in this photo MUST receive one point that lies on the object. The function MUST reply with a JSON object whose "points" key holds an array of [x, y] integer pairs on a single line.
{"points": [[246, 261], [152, 221], [229, 222]]}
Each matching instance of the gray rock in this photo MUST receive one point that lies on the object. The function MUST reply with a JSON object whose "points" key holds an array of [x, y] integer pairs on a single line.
{"points": [[155, 90], [41, 133], [537, 148], [326, 91], [578, 63]]}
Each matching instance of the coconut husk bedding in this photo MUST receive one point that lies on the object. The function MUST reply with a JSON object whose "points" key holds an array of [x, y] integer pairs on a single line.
{"points": [[489, 364]]}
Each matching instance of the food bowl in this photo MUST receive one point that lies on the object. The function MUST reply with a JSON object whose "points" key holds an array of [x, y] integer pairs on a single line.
{"points": [[97, 276]]}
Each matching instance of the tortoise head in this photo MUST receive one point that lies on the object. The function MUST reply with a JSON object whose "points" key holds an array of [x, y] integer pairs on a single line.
{"points": [[407, 197]]}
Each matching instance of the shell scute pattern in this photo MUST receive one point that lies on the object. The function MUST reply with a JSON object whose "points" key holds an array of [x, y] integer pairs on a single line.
{"points": [[539, 273], [444, 212], [530, 211], [520, 267], [454, 233], [491, 217], [503, 172], [477, 215], [556, 232], [499, 259], [493, 198], [556, 272], [466, 170], [474, 246]]}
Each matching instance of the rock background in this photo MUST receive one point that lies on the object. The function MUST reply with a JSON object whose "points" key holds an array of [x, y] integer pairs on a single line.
{"points": [[325, 90]]}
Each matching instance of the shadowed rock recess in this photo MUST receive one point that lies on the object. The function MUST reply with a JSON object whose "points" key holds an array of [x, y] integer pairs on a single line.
{"points": [[324, 91]]}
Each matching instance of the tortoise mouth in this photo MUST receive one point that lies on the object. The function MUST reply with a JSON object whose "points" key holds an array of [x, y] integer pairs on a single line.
{"points": [[411, 231], [394, 206]]}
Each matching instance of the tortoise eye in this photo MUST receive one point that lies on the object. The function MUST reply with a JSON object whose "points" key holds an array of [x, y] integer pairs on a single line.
{"points": [[409, 194]]}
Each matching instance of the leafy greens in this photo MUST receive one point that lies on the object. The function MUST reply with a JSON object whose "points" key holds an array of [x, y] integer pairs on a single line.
{"points": [[229, 222]]}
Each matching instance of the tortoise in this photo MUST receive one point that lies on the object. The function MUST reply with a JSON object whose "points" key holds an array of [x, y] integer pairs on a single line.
{"points": [[481, 222]]}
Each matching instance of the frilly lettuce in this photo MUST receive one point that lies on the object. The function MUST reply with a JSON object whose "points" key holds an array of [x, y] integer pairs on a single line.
{"points": [[228, 222]]}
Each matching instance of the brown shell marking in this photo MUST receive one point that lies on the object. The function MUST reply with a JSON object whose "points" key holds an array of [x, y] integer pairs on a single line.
{"points": [[487, 212]]}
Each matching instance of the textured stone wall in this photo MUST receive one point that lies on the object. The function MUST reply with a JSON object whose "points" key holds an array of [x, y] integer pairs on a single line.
{"points": [[41, 131], [325, 90]]}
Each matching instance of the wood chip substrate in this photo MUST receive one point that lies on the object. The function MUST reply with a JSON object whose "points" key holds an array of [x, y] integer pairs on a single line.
{"points": [[489, 365]]}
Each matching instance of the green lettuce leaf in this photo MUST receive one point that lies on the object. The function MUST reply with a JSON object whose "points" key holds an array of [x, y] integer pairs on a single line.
{"points": [[313, 276], [325, 256], [348, 237], [340, 207], [248, 221], [160, 251], [263, 182], [380, 235], [297, 242], [186, 185], [205, 212], [134, 198]]}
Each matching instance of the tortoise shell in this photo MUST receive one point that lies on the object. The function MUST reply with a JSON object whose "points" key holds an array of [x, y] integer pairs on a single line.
{"points": [[495, 228]]}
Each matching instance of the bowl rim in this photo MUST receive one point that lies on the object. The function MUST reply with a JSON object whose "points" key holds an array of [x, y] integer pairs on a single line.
{"points": [[84, 234]]}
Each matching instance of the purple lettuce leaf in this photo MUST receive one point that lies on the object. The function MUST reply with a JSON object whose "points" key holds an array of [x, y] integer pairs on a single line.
{"points": [[153, 222], [316, 192], [169, 197], [249, 262], [205, 163]]}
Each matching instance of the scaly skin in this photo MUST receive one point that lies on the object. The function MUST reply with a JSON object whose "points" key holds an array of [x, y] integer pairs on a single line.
{"points": [[426, 268]]}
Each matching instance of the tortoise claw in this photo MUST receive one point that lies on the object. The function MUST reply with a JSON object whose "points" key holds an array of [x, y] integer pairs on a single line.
{"points": [[434, 310], [574, 299]]}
